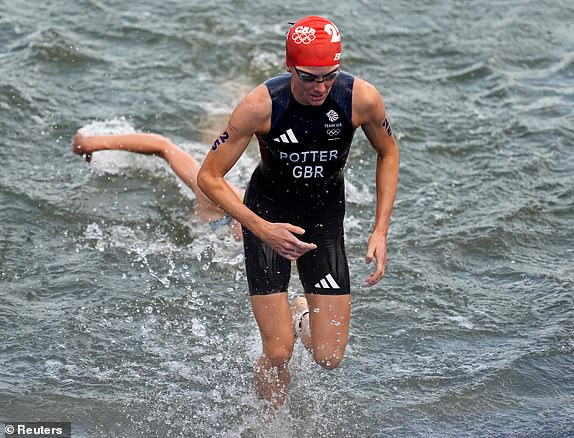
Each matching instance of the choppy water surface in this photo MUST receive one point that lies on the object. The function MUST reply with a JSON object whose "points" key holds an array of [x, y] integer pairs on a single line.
{"points": [[122, 313]]}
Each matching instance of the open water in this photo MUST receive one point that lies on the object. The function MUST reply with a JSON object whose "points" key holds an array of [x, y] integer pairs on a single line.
{"points": [[123, 314]]}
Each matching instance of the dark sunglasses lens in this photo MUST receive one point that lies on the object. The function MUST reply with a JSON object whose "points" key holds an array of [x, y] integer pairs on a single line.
{"points": [[307, 77], [331, 76]]}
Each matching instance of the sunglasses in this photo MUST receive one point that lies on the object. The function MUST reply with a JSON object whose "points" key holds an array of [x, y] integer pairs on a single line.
{"points": [[309, 77]]}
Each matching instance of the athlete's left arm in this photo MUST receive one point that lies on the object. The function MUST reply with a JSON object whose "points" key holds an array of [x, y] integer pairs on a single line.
{"points": [[369, 113]]}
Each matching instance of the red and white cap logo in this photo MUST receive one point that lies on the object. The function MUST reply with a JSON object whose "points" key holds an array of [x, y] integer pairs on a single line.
{"points": [[303, 35], [315, 42]]}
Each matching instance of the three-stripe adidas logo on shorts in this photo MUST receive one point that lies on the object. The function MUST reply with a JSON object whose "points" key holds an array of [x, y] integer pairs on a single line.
{"points": [[328, 282]]}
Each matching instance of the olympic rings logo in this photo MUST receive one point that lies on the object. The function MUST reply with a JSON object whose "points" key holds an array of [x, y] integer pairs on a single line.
{"points": [[333, 132], [303, 35]]}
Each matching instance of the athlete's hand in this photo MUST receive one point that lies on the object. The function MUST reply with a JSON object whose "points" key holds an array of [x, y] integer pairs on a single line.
{"points": [[78, 145], [377, 250], [283, 239]]}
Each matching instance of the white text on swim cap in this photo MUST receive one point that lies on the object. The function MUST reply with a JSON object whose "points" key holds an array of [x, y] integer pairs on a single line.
{"points": [[332, 30], [303, 35]]}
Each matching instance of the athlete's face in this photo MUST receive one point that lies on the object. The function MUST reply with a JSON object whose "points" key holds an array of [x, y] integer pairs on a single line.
{"points": [[311, 85]]}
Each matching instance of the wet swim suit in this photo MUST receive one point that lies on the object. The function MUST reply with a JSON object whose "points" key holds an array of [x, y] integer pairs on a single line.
{"points": [[300, 180]]}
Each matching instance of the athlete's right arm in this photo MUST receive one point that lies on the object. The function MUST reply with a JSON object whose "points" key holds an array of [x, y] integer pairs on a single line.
{"points": [[251, 116]]}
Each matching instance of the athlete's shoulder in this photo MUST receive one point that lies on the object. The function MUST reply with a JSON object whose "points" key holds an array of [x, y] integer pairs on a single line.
{"points": [[367, 101], [254, 110], [365, 91], [257, 103]]}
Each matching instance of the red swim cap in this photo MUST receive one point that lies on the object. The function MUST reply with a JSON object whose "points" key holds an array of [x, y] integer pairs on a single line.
{"points": [[314, 42]]}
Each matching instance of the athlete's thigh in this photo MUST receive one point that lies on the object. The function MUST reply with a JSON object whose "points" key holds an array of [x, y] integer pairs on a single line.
{"points": [[267, 272], [273, 315], [325, 270], [330, 317]]}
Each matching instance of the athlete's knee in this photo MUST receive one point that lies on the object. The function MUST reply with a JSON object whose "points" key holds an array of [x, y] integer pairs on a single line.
{"points": [[328, 359], [278, 355]]}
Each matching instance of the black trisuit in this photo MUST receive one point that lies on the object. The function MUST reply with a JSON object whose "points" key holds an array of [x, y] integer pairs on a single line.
{"points": [[299, 180]]}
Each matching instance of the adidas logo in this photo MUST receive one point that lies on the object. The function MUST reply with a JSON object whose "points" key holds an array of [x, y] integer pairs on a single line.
{"points": [[288, 137], [327, 283]]}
